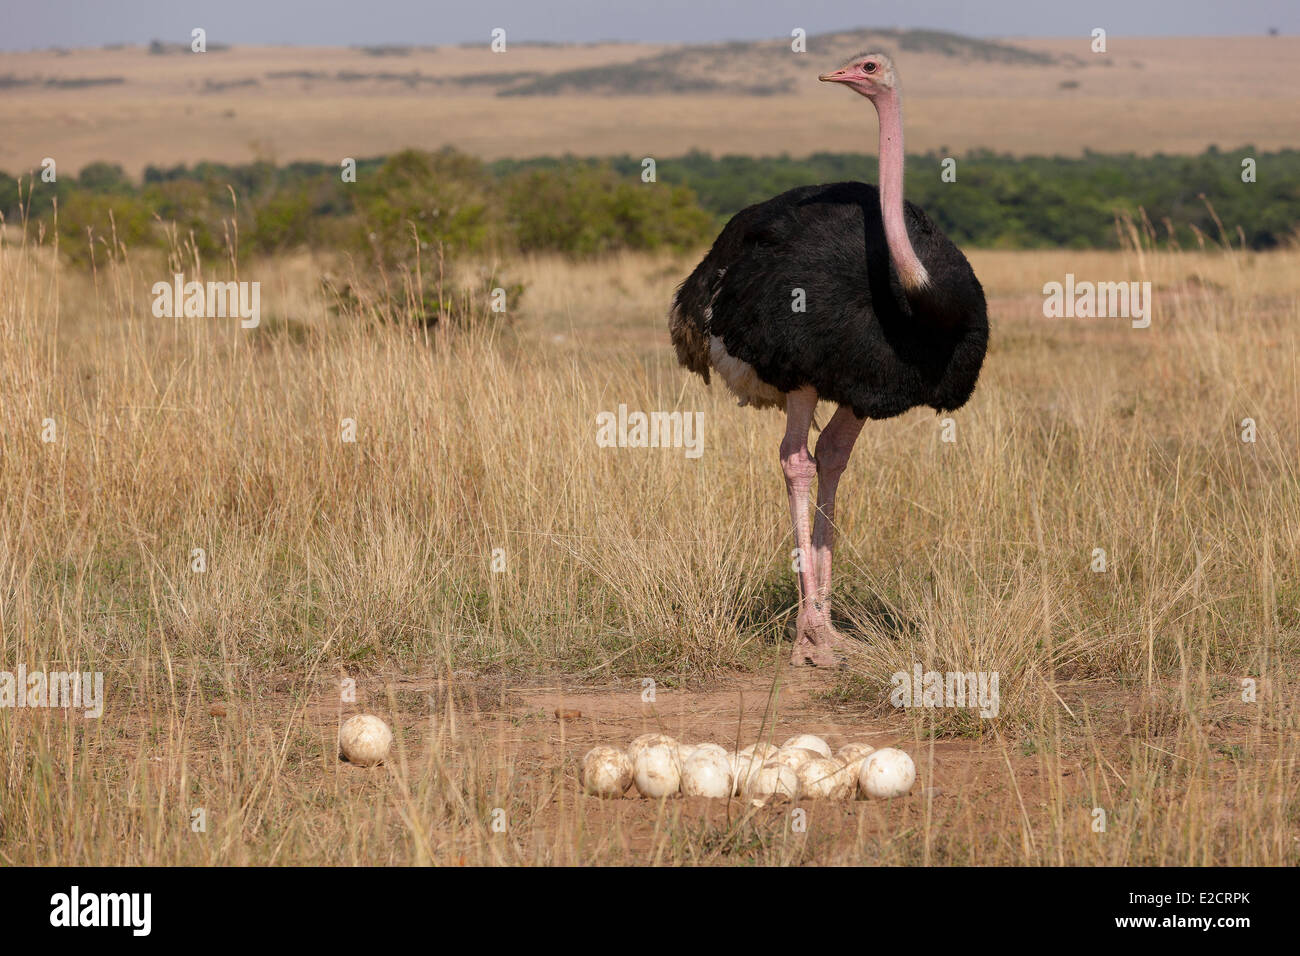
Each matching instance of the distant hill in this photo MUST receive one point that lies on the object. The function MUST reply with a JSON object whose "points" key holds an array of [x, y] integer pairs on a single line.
{"points": [[760, 68]]}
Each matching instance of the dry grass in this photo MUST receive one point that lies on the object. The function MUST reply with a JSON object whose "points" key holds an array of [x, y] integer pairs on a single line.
{"points": [[374, 560]]}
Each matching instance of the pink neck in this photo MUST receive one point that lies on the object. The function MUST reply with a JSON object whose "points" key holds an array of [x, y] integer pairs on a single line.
{"points": [[910, 270]]}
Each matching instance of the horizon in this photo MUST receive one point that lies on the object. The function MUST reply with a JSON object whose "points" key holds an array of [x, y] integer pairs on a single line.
{"points": [[76, 24], [223, 45]]}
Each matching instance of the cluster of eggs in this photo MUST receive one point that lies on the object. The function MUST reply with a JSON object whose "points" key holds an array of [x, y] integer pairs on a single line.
{"points": [[803, 766]]}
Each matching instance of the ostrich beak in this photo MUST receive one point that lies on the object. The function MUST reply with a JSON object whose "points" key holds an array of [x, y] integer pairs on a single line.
{"points": [[836, 76]]}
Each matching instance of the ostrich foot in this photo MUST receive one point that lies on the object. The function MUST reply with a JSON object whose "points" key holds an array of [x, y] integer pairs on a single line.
{"points": [[815, 640]]}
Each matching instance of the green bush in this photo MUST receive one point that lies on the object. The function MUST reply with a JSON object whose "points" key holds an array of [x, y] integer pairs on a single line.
{"points": [[92, 226], [282, 221], [104, 178], [440, 199], [195, 215], [585, 210]]}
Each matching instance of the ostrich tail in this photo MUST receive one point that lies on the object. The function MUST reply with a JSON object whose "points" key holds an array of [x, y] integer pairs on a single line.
{"points": [[687, 323]]}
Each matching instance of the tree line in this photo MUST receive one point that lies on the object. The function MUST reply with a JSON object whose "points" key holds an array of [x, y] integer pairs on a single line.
{"points": [[456, 204]]}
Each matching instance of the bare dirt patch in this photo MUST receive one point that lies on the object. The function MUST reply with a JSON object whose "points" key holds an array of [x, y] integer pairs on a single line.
{"points": [[1006, 795]]}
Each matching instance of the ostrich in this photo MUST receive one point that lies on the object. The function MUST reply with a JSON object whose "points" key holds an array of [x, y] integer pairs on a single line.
{"points": [[892, 318]]}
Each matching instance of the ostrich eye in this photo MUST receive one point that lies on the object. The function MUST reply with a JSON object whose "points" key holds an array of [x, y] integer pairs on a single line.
{"points": [[870, 67]]}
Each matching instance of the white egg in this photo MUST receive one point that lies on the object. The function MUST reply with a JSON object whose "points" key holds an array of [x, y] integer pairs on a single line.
{"points": [[684, 752], [606, 771], [760, 749], [364, 740], [808, 742], [718, 749], [773, 780], [645, 742], [656, 772], [743, 768], [854, 769], [887, 773], [826, 779], [793, 757], [852, 752], [706, 775]]}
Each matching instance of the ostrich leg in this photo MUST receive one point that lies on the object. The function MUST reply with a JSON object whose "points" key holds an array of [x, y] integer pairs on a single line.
{"points": [[833, 450], [813, 634]]}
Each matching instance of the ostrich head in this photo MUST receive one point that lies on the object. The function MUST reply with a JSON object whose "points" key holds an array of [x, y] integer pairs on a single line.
{"points": [[870, 74]]}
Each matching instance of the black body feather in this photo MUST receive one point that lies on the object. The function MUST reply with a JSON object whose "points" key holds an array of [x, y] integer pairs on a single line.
{"points": [[862, 341]]}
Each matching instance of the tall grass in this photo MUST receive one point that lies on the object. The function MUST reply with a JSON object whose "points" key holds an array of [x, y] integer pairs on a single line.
{"points": [[476, 449]]}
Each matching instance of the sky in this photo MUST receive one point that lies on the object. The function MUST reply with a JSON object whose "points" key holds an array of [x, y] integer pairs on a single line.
{"points": [[38, 24]]}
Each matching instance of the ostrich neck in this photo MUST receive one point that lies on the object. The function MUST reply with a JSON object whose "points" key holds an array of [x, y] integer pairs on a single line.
{"points": [[910, 270]]}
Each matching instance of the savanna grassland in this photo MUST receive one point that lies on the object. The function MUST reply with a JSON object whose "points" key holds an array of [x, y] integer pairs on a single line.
{"points": [[1021, 96], [373, 560], [388, 485]]}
